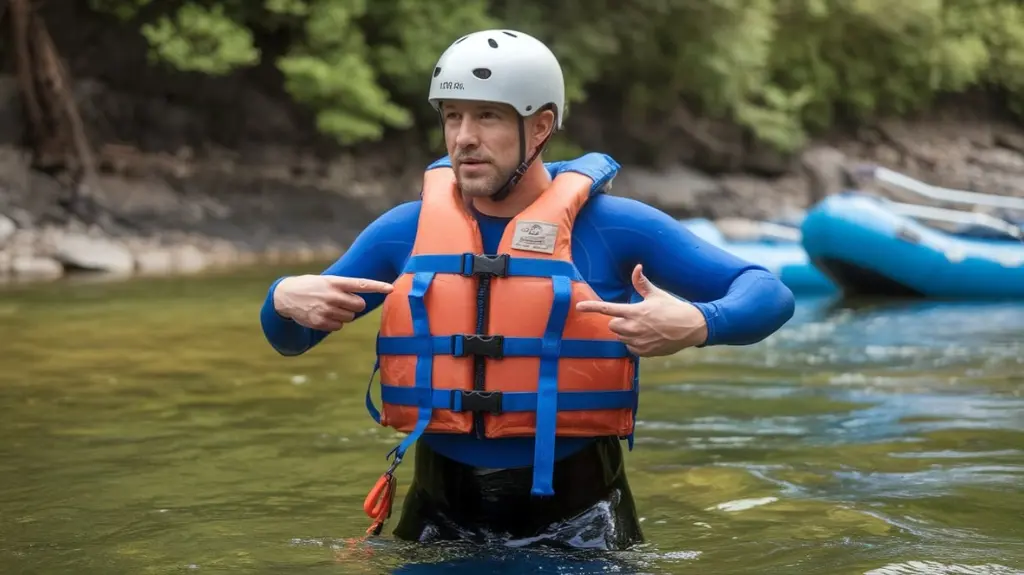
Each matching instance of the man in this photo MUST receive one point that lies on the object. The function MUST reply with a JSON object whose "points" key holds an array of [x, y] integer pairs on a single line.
{"points": [[656, 289]]}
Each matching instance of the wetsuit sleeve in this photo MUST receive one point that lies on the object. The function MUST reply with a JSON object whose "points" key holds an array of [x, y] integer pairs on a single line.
{"points": [[743, 303], [378, 253]]}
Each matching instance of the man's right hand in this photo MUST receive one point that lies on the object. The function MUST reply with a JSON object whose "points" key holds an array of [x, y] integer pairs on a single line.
{"points": [[323, 302]]}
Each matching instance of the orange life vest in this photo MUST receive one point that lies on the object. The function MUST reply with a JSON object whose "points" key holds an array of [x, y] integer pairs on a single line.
{"points": [[546, 370]]}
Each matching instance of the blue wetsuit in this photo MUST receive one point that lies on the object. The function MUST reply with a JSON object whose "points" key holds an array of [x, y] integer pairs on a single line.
{"points": [[742, 302]]}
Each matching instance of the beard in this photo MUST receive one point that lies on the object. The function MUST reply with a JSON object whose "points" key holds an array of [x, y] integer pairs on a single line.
{"points": [[481, 181]]}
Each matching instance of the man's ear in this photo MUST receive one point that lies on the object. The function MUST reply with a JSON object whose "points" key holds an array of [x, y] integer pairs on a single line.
{"points": [[540, 127]]}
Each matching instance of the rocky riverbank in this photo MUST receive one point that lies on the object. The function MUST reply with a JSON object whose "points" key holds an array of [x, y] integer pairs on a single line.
{"points": [[183, 211], [153, 224], [196, 171]]}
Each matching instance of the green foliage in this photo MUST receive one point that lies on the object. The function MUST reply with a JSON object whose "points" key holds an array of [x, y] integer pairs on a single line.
{"points": [[200, 39], [330, 68], [781, 68], [123, 10]]}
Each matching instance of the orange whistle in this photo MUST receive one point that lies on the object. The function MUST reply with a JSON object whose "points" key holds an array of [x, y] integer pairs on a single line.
{"points": [[377, 504], [378, 501]]}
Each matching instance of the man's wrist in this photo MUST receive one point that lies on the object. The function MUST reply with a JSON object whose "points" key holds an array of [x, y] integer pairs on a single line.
{"points": [[276, 302], [709, 311]]}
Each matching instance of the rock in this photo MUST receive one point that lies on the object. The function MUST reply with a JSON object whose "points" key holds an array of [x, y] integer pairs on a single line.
{"points": [[246, 258], [7, 229], [679, 191], [154, 261], [79, 251], [223, 256], [997, 159], [21, 218], [1010, 140], [758, 198], [824, 168], [15, 169], [274, 255], [139, 196], [35, 268], [304, 254], [189, 259], [328, 251], [23, 242], [764, 160]]}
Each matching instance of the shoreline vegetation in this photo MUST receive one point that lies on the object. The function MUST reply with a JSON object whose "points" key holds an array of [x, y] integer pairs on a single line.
{"points": [[140, 137]]}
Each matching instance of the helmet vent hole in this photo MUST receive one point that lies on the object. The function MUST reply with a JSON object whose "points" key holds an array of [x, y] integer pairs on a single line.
{"points": [[437, 71], [461, 39], [482, 73], [528, 108], [492, 43], [507, 33]]}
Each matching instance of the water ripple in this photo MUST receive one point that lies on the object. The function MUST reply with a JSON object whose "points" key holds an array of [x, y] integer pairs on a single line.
{"points": [[936, 568], [905, 335]]}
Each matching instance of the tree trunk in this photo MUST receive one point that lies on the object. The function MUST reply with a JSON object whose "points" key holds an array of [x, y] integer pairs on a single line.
{"points": [[55, 131]]}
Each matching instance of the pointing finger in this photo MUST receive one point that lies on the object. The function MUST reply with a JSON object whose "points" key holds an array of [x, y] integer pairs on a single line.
{"points": [[359, 284], [607, 308]]}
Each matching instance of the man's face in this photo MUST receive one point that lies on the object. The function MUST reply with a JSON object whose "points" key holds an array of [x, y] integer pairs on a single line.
{"points": [[483, 143]]}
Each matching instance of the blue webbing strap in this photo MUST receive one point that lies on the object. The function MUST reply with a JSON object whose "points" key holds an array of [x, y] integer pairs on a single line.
{"points": [[369, 385], [511, 346], [424, 361], [517, 267], [547, 389], [511, 401]]}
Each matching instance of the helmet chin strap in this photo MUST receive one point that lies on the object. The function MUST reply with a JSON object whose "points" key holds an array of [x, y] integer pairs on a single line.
{"points": [[524, 164]]}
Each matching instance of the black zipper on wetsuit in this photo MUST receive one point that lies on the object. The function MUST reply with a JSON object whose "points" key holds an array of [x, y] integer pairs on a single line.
{"points": [[483, 297]]}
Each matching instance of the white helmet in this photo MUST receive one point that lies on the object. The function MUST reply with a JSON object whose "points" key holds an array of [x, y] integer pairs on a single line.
{"points": [[500, 66]]}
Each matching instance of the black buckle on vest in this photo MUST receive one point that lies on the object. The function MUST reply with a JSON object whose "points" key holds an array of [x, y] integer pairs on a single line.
{"points": [[492, 346], [484, 265], [489, 401]]}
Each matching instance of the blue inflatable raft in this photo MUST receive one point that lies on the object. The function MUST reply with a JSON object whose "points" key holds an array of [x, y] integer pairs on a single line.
{"points": [[871, 246], [777, 248]]}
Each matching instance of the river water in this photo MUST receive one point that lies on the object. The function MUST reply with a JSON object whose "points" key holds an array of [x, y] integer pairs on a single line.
{"points": [[147, 427]]}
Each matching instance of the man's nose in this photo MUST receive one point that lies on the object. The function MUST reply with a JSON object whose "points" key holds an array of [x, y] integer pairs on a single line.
{"points": [[467, 136]]}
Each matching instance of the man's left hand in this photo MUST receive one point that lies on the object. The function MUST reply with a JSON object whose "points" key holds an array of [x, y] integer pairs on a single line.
{"points": [[659, 325]]}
